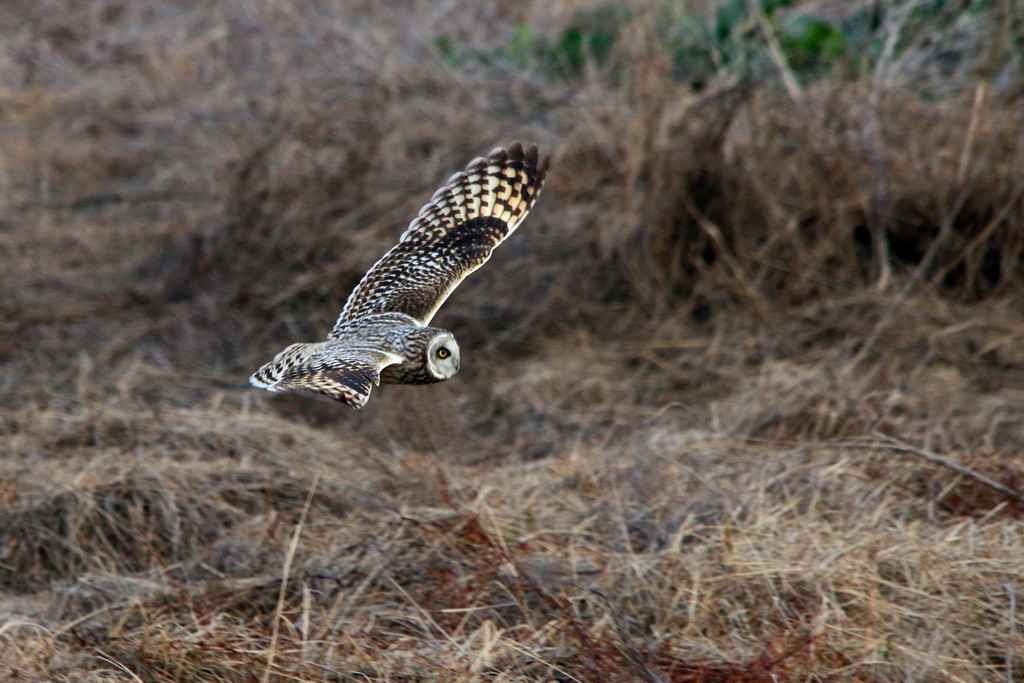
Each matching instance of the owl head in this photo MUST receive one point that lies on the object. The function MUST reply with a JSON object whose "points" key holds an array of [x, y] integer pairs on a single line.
{"points": [[442, 356], [431, 355]]}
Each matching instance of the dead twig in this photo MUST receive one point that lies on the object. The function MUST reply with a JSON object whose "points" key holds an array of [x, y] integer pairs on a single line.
{"points": [[895, 444], [289, 558]]}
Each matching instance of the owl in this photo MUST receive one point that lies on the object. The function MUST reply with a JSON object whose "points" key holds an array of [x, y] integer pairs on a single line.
{"points": [[384, 333]]}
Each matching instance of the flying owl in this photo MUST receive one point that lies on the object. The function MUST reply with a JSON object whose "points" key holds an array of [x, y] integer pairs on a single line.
{"points": [[383, 333]]}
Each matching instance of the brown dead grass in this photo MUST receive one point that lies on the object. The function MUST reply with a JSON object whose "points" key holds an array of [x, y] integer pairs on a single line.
{"points": [[673, 453]]}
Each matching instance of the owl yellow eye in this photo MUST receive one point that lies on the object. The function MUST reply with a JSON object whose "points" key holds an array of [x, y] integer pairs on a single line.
{"points": [[443, 352]]}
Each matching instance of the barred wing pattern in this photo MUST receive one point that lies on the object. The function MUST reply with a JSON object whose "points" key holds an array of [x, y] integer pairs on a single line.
{"points": [[451, 237], [342, 372]]}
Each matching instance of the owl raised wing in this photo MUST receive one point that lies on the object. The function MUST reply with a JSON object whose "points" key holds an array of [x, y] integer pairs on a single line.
{"points": [[453, 235]]}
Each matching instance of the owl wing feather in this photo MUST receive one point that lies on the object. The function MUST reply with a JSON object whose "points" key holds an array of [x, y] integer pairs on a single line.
{"points": [[342, 372], [452, 236]]}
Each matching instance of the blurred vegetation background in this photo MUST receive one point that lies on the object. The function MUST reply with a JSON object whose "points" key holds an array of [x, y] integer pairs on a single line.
{"points": [[741, 401]]}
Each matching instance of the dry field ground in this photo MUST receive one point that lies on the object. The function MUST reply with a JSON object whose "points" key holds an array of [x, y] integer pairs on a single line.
{"points": [[743, 399]]}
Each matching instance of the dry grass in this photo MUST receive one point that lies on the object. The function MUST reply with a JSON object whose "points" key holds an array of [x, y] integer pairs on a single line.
{"points": [[687, 440]]}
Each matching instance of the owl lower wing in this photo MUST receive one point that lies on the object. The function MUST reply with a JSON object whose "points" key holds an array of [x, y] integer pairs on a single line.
{"points": [[343, 373], [452, 236]]}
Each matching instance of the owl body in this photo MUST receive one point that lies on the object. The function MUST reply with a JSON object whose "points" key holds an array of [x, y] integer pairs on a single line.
{"points": [[429, 354], [383, 333], [345, 363]]}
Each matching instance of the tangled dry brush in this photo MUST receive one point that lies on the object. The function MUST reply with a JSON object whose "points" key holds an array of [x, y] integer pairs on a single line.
{"points": [[741, 401]]}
